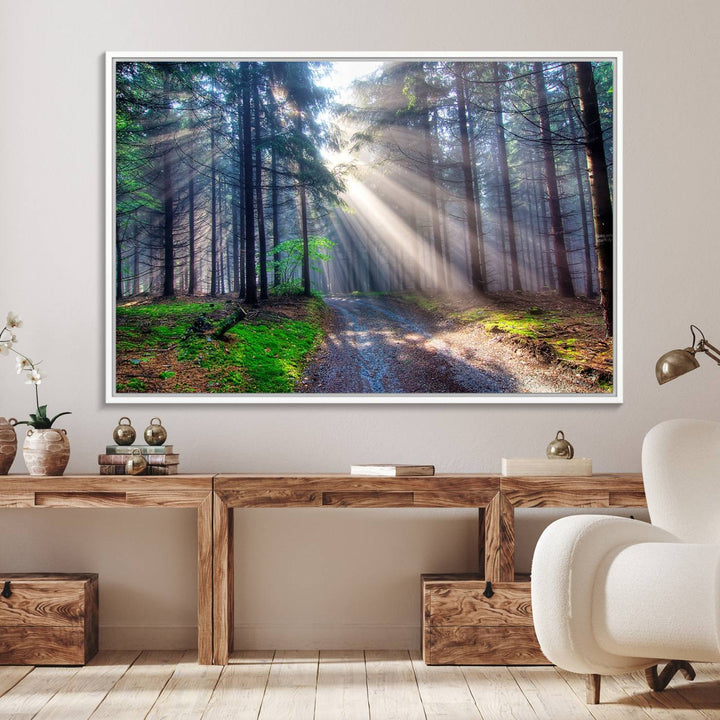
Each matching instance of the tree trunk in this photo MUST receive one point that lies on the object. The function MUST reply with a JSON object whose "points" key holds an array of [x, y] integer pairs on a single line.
{"points": [[235, 239], [262, 247], [570, 113], [118, 269], [428, 157], [250, 279], [221, 245], [275, 217], [599, 188], [505, 179], [167, 192], [136, 261], [565, 285], [191, 235], [240, 247], [477, 196], [213, 209], [274, 195], [478, 280], [307, 290]]}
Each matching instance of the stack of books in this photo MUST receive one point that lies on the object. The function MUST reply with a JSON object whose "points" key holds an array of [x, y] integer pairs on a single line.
{"points": [[160, 459]]}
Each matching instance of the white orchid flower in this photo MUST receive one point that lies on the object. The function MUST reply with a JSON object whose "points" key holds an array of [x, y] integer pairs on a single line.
{"points": [[35, 377], [13, 320], [23, 364], [5, 346]]}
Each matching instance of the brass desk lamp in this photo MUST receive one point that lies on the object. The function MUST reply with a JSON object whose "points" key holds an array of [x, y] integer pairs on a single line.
{"points": [[677, 362]]}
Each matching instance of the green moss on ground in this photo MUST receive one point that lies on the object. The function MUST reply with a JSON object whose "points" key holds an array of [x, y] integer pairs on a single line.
{"points": [[266, 353]]}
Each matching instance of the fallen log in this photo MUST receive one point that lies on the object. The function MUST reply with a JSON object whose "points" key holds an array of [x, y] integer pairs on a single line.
{"points": [[239, 315]]}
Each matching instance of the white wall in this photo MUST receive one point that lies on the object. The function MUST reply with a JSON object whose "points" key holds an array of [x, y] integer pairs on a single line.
{"points": [[331, 578]]}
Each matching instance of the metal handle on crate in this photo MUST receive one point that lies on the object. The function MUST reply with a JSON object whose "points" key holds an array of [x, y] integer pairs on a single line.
{"points": [[6, 592], [488, 592]]}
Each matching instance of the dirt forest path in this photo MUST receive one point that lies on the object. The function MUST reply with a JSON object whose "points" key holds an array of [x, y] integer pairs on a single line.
{"points": [[384, 345]]}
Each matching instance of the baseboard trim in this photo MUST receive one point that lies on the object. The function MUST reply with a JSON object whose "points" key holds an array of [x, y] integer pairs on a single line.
{"points": [[327, 637], [265, 636], [150, 637]]}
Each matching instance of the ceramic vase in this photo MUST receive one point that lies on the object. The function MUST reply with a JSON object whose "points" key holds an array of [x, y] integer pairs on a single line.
{"points": [[8, 445], [47, 451]]}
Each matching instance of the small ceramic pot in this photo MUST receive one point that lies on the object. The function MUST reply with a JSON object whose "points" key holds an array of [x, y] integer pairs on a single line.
{"points": [[8, 444], [47, 451]]}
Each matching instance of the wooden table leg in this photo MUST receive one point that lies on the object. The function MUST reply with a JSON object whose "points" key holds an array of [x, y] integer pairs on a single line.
{"points": [[223, 581], [499, 518], [481, 541], [205, 580]]}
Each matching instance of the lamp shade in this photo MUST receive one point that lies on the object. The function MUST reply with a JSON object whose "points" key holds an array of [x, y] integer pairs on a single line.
{"points": [[675, 363]]}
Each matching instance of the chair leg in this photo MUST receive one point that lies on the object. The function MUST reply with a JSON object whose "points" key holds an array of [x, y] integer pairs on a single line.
{"points": [[592, 689], [660, 682]]}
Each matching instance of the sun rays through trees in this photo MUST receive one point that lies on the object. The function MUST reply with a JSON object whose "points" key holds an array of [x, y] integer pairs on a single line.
{"points": [[255, 179]]}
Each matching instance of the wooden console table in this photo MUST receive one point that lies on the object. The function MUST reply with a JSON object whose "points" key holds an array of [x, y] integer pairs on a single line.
{"points": [[215, 497], [126, 491], [495, 497]]}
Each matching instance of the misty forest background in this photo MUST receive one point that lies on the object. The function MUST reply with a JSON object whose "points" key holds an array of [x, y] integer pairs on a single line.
{"points": [[241, 185]]}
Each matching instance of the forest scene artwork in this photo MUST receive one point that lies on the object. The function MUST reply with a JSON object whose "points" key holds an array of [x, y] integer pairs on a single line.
{"points": [[363, 228]]}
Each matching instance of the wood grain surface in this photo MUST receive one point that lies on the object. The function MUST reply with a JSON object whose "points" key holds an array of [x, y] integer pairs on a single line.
{"points": [[464, 604], [589, 491], [499, 540], [43, 602], [223, 580], [127, 491], [28, 645], [502, 645], [352, 490], [49, 619]]}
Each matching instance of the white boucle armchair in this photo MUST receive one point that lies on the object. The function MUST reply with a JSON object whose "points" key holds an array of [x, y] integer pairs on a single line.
{"points": [[613, 595]]}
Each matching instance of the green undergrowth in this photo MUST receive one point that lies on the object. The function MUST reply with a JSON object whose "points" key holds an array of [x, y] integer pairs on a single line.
{"points": [[265, 353], [529, 324], [553, 330], [429, 304]]}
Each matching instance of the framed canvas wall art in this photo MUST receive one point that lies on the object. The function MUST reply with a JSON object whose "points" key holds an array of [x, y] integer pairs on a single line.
{"points": [[364, 228]]}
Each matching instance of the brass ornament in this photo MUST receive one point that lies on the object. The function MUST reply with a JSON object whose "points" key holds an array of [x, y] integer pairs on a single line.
{"points": [[560, 448], [155, 433], [124, 433], [136, 463]]}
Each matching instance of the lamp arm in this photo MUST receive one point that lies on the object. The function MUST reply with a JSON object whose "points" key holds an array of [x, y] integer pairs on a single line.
{"points": [[710, 350]]}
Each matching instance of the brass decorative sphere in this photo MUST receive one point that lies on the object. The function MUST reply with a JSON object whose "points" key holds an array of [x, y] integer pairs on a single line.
{"points": [[155, 433], [124, 433], [136, 463], [560, 448]]}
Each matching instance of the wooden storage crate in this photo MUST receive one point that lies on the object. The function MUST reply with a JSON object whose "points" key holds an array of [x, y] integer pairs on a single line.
{"points": [[48, 618], [461, 626]]}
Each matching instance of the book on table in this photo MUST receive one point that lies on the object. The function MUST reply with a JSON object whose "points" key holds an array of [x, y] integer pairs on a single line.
{"points": [[547, 467], [149, 470], [392, 470], [144, 449], [169, 459]]}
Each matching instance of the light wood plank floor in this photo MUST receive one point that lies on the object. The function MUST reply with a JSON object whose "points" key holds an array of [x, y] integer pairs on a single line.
{"points": [[350, 685]]}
